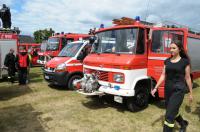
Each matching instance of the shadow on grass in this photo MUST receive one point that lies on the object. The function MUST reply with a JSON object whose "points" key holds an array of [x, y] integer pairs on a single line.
{"points": [[12, 90], [195, 85], [96, 102], [36, 80], [158, 103], [22, 118], [4, 79], [195, 112], [57, 87]]}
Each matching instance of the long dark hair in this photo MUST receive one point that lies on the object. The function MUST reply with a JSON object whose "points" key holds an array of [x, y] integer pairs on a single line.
{"points": [[182, 52]]}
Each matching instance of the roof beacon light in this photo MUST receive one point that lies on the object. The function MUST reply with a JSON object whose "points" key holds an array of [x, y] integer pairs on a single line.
{"points": [[137, 18]]}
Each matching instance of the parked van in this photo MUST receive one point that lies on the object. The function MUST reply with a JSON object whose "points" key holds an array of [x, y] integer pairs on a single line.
{"points": [[67, 66], [56, 43]]}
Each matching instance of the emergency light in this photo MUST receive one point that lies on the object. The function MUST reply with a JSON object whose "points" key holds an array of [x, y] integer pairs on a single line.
{"points": [[137, 18]]}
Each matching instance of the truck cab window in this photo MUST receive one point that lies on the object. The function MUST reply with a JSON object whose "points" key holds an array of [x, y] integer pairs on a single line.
{"points": [[162, 39], [85, 51], [64, 42]]}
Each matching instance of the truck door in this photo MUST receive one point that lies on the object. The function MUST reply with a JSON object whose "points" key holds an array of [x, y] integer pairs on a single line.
{"points": [[160, 39]]}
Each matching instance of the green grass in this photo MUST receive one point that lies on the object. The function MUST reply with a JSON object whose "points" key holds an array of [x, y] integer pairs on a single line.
{"points": [[37, 107]]}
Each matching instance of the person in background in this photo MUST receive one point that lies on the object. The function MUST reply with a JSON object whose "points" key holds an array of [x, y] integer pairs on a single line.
{"points": [[9, 62], [22, 64], [5, 16], [29, 65], [176, 74]]}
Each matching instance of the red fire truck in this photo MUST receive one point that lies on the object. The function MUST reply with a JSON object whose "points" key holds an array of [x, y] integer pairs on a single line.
{"points": [[8, 40], [33, 49], [67, 66], [56, 43], [127, 60]]}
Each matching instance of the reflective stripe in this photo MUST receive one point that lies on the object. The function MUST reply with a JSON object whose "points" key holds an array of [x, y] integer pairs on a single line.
{"points": [[178, 114], [157, 58], [168, 124], [75, 64]]}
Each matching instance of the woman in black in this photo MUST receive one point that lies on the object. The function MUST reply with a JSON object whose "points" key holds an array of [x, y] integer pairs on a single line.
{"points": [[176, 74]]}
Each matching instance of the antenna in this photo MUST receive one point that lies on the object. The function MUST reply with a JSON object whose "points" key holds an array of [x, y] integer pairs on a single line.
{"points": [[147, 10]]}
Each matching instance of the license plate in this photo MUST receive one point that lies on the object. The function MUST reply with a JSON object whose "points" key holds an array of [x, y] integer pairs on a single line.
{"points": [[118, 99], [46, 77]]}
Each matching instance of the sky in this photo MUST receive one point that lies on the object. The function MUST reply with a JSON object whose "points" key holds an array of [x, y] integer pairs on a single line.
{"points": [[78, 16]]}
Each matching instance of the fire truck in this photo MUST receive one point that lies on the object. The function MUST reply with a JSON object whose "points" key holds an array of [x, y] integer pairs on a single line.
{"points": [[56, 43], [33, 49], [127, 60], [67, 66], [8, 40]]}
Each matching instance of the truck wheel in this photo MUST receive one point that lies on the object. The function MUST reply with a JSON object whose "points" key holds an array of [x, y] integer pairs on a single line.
{"points": [[139, 101], [71, 80]]}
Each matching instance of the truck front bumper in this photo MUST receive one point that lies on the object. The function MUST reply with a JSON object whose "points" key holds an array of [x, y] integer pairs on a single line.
{"points": [[57, 78], [117, 91]]}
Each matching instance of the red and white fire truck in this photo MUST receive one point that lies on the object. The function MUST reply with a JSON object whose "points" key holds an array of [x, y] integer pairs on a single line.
{"points": [[127, 60], [67, 66], [56, 43], [8, 40]]}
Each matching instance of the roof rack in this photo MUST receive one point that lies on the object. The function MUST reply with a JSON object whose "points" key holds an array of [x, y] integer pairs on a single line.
{"points": [[168, 24], [129, 21], [171, 24]]}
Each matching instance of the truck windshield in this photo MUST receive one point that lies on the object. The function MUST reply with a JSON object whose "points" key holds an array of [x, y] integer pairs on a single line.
{"points": [[121, 41], [43, 47], [53, 44], [70, 50]]}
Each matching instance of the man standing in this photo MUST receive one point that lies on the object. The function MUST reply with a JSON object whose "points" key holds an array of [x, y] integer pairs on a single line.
{"points": [[9, 62], [5, 16], [22, 63]]}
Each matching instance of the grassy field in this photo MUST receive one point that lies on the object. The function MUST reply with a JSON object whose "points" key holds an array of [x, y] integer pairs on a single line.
{"points": [[39, 107]]}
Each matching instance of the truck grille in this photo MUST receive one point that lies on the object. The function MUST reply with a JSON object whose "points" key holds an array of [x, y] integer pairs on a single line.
{"points": [[101, 75]]}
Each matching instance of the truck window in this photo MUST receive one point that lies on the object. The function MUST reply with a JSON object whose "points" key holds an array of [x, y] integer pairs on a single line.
{"points": [[121, 41], [162, 39], [69, 40], [70, 50], [140, 45], [85, 51], [64, 42]]}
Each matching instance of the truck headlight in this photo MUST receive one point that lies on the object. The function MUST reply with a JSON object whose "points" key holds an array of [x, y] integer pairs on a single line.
{"points": [[61, 67], [117, 77]]}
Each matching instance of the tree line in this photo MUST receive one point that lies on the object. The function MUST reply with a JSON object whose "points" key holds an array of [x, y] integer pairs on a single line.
{"points": [[41, 35]]}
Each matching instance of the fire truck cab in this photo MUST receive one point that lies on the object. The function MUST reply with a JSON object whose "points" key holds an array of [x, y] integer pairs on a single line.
{"points": [[127, 61], [56, 43], [67, 66]]}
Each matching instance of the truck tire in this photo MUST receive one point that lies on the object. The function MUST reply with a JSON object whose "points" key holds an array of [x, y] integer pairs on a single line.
{"points": [[139, 101], [70, 81]]}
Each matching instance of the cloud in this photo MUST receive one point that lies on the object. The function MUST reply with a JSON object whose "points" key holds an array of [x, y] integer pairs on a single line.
{"points": [[81, 15]]}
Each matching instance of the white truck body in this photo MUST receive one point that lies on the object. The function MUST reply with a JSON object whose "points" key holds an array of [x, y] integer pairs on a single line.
{"points": [[5, 46]]}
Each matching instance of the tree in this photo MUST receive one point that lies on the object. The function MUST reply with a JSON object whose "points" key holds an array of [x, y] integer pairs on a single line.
{"points": [[41, 35]]}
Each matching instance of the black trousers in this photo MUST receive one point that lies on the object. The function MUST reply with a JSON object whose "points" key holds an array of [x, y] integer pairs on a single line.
{"points": [[22, 75], [173, 98], [11, 73]]}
